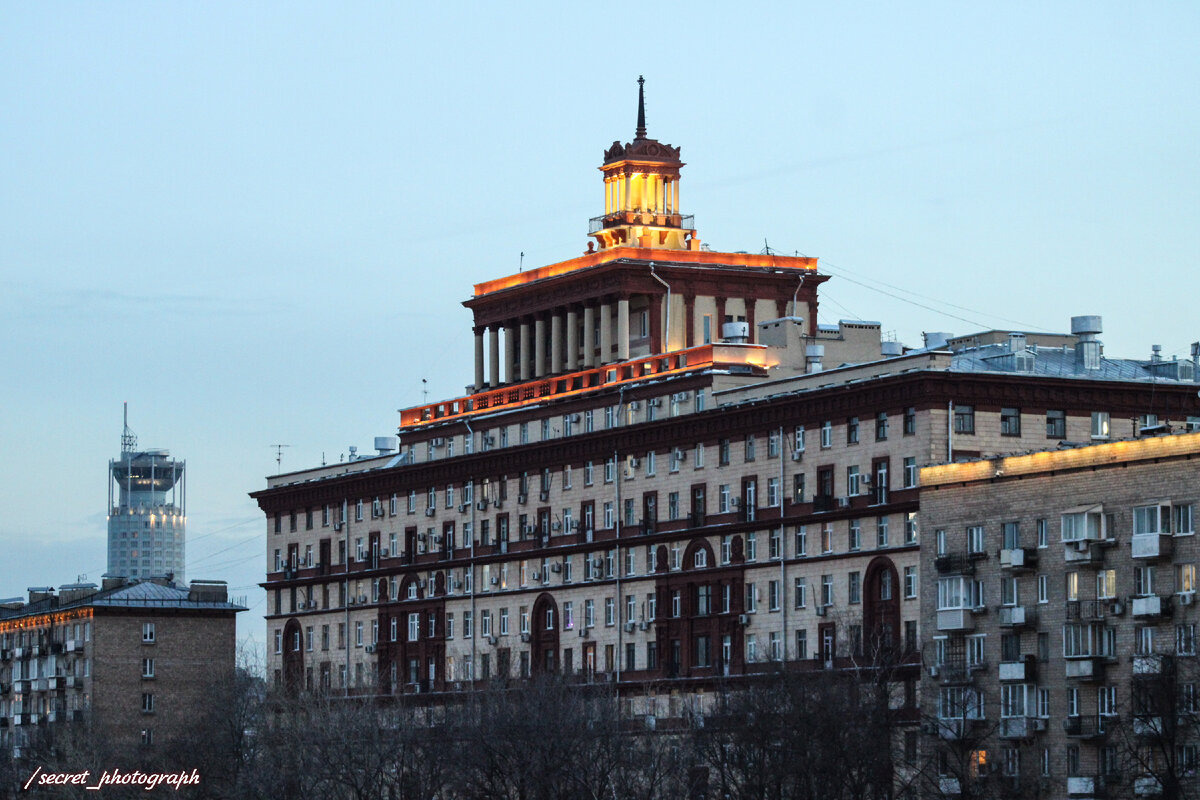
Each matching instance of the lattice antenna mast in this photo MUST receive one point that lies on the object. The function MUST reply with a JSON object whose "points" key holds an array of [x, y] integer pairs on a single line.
{"points": [[128, 437]]}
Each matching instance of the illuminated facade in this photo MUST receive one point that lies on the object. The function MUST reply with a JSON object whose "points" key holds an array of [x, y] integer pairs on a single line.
{"points": [[678, 480], [1060, 623], [147, 514], [134, 660]]}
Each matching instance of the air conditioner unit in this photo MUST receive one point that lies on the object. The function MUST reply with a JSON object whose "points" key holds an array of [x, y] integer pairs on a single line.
{"points": [[736, 502], [438, 442], [654, 402], [574, 418], [521, 498], [430, 511], [633, 405], [362, 598], [574, 524], [370, 649], [556, 567], [821, 610], [583, 633], [634, 463], [350, 602], [1039, 724], [1081, 546], [498, 504], [643, 625], [337, 526], [495, 581], [421, 582], [464, 508], [1116, 609], [1187, 598], [482, 505], [535, 577], [302, 605], [843, 502], [383, 553], [629, 627], [557, 526], [543, 495], [525, 637], [598, 563], [933, 670], [491, 640], [421, 537], [680, 454], [797, 455]]}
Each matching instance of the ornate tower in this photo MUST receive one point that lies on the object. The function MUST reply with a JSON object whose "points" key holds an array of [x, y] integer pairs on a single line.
{"points": [[641, 194]]}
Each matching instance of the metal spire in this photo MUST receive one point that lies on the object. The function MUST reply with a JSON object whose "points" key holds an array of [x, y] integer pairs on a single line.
{"points": [[128, 437], [641, 123]]}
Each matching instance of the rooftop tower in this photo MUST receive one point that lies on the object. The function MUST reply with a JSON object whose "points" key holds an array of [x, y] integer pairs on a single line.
{"points": [[146, 512]]}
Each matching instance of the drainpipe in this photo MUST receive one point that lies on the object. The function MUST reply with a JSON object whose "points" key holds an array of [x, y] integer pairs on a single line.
{"points": [[950, 432], [471, 562], [618, 566], [782, 549], [346, 581], [667, 337], [796, 294]]}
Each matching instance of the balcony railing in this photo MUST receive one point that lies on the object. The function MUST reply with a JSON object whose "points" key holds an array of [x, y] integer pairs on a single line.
{"points": [[955, 564], [1090, 727], [685, 221]]}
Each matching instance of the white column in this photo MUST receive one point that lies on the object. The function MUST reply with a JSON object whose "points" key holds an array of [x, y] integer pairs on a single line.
{"points": [[479, 359], [623, 328], [494, 355], [525, 355], [572, 340], [605, 334], [539, 347], [511, 371], [556, 342], [589, 341]]}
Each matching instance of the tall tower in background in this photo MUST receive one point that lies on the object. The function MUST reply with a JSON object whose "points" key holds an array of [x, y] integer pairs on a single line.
{"points": [[147, 512]]}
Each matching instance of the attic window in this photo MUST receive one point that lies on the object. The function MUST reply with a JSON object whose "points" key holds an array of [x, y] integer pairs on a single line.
{"points": [[1023, 361]]}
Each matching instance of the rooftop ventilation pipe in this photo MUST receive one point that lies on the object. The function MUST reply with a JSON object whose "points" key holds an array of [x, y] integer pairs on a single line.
{"points": [[1087, 349]]}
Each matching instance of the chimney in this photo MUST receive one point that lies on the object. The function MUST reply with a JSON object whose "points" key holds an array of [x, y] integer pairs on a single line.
{"points": [[735, 332], [1156, 352], [936, 340], [814, 354], [1087, 348]]}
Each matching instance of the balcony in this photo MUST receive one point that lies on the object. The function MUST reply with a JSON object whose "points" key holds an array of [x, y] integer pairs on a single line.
{"points": [[1021, 727], [960, 728], [1152, 545], [1147, 727], [1085, 786], [641, 217], [952, 673], [1083, 553], [954, 564], [1088, 610], [956, 619], [696, 519], [824, 502], [1086, 668], [1156, 664], [1019, 559], [1085, 728], [1017, 617], [1152, 607], [1147, 786], [1023, 670]]}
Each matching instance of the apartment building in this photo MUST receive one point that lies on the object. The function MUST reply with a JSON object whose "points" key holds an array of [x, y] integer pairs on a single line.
{"points": [[1060, 629], [134, 659], [666, 475]]}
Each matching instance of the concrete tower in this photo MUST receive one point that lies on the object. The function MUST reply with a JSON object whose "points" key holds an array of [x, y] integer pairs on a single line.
{"points": [[147, 512]]}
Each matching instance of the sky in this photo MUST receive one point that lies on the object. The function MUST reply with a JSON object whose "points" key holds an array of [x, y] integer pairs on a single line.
{"points": [[256, 222]]}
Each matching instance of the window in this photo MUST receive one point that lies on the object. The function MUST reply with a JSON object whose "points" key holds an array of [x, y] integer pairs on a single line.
{"points": [[827, 590], [855, 587], [910, 421], [1100, 424], [910, 472], [1010, 422], [1184, 519], [1043, 533], [910, 583], [855, 534], [801, 592], [751, 598], [1043, 584], [1072, 586], [147, 703], [853, 481], [964, 419], [802, 540], [975, 540], [801, 644], [910, 527], [610, 611], [589, 613], [148, 632], [826, 434], [852, 430], [773, 595], [881, 531], [723, 453], [148, 667], [1185, 643], [773, 496], [1056, 424], [881, 426], [1185, 578], [749, 449]]}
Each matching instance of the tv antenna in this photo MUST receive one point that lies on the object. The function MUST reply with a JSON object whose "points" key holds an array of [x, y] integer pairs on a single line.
{"points": [[424, 391], [279, 455]]}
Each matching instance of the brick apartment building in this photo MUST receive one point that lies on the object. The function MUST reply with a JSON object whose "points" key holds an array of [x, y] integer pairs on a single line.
{"points": [[667, 475], [135, 659], [1059, 620]]}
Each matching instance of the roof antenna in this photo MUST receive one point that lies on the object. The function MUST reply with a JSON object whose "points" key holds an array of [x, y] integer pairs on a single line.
{"points": [[279, 455], [128, 437], [641, 123], [424, 392], [521, 264]]}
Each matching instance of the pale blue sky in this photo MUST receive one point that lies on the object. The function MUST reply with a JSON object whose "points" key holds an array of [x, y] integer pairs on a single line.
{"points": [[256, 221]]}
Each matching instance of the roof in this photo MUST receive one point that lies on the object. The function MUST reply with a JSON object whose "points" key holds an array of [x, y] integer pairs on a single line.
{"points": [[1061, 363], [144, 594]]}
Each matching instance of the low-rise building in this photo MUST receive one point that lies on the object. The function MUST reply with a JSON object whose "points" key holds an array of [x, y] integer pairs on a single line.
{"points": [[1060, 619], [134, 659]]}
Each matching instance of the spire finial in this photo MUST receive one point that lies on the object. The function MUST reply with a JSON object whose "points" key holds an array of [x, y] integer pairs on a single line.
{"points": [[641, 123]]}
